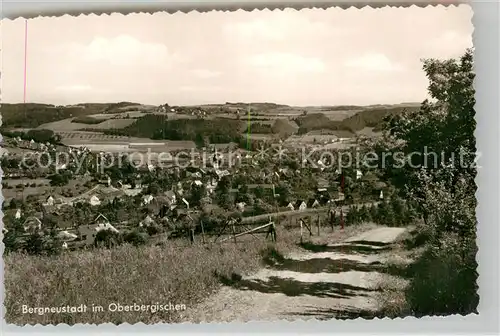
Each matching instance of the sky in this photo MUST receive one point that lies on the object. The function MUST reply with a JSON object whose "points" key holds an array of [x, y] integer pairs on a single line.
{"points": [[307, 57]]}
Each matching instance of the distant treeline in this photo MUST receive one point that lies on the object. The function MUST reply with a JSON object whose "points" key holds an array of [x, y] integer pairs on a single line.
{"points": [[87, 120], [37, 135], [34, 115], [259, 128], [160, 127], [367, 118]]}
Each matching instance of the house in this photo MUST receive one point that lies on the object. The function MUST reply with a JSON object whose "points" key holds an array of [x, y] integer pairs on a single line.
{"points": [[179, 190], [290, 206], [66, 236], [147, 199], [313, 203], [359, 174], [146, 221], [105, 181], [88, 232], [300, 205], [32, 223], [221, 173], [197, 175], [241, 206], [49, 201], [198, 183], [18, 214], [94, 201], [171, 198]]}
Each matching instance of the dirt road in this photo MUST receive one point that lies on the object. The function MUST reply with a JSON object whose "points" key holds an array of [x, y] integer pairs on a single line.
{"points": [[336, 280]]}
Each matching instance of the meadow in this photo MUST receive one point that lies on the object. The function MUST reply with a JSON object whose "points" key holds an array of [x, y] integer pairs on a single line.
{"points": [[175, 272]]}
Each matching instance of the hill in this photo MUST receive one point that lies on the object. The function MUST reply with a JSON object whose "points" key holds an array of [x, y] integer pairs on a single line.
{"points": [[34, 115], [371, 117], [217, 130], [284, 127]]}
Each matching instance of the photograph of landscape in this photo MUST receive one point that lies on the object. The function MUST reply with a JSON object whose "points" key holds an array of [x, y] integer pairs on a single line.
{"points": [[239, 166]]}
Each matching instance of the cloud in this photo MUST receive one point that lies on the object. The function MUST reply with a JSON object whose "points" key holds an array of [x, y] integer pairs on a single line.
{"points": [[123, 50], [204, 73], [280, 26], [450, 39], [257, 29], [286, 62], [373, 62], [74, 88], [194, 88]]}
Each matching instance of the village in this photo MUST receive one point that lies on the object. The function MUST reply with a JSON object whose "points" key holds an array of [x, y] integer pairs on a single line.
{"points": [[92, 192]]}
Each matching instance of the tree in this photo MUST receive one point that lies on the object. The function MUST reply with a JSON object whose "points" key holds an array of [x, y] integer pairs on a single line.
{"points": [[197, 193], [42, 135], [443, 128], [443, 188], [107, 239], [135, 237]]}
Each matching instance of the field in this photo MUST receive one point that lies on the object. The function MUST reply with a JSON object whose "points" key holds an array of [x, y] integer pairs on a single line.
{"points": [[177, 272], [67, 125], [298, 125]]}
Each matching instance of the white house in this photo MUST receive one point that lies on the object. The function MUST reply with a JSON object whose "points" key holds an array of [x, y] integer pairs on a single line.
{"points": [[147, 199], [67, 236], [146, 221], [198, 183], [300, 205], [381, 194], [18, 214], [94, 201], [32, 224], [290, 206], [49, 201], [241, 206], [359, 174], [313, 203]]}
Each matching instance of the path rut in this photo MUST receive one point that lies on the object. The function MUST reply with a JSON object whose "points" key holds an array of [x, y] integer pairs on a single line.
{"points": [[331, 281]]}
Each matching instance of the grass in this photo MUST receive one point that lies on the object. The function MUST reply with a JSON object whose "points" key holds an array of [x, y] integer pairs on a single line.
{"points": [[175, 273]]}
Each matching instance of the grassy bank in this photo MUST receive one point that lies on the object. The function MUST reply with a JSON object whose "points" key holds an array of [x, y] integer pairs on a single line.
{"points": [[177, 273]]}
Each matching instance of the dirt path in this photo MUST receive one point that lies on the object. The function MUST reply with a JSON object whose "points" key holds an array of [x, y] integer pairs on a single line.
{"points": [[336, 280]]}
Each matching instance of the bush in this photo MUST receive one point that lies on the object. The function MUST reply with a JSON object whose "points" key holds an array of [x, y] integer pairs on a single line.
{"points": [[43, 244], [153, 229], [107, 239], [135, 237], [445, 279]]}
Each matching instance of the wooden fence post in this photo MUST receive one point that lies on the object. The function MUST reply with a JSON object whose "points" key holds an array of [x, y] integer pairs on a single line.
{"points": [[191, 236], [274, 232], [332, 220], [318, 225], [301, 239], [233, 231], [202, 232]]}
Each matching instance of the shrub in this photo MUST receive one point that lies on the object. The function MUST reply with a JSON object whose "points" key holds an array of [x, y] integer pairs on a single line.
{"points": [[107, 239], [135, 237], [445, 279]]}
